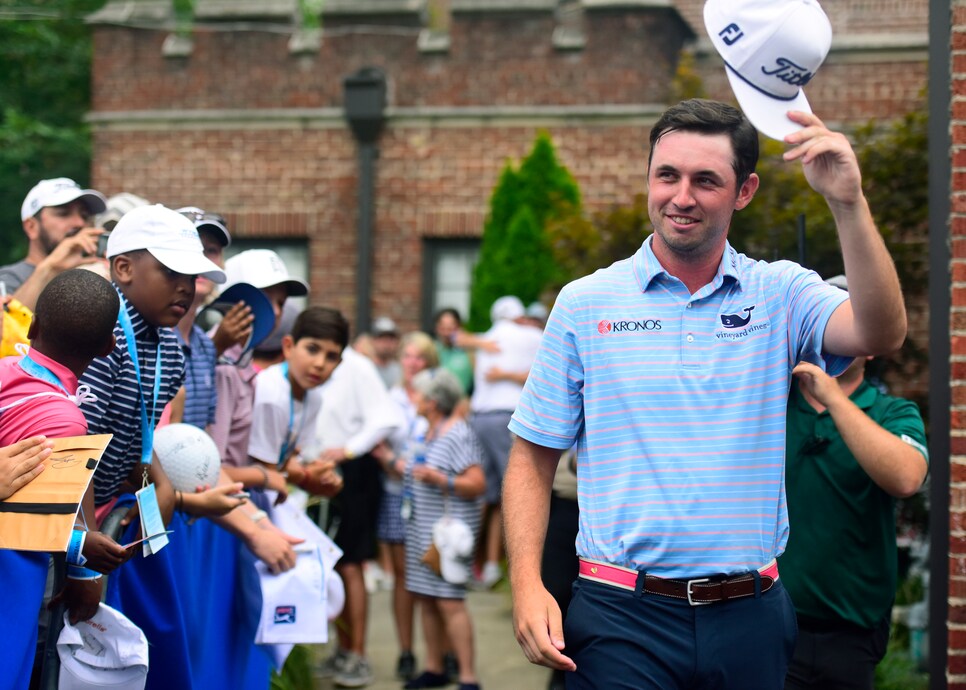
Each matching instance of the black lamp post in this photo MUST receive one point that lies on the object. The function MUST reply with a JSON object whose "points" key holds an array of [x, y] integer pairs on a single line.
{"points": [[365, 105]]}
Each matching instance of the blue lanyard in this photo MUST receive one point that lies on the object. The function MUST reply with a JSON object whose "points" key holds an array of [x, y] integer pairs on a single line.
{"points": [[147, 425], [39, 371], [289, 439]]}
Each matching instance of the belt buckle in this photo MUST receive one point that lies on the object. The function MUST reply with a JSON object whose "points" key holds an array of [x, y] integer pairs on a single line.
{"points": [[690, 591]]}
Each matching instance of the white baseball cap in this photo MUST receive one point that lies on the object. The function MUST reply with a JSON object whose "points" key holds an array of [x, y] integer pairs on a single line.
{"points": [[538, 311], [262, 268], [107, 651], [384, 326], [205, 219], [771, 49], [117, 206], [839, 281], [57, 192], [508, 308], [168, 236]]}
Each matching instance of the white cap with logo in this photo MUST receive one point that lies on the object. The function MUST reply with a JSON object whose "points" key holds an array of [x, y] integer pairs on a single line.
{"points": [[57, 192], [771, 49], [168, 236], [107, 651], [263, 268]]}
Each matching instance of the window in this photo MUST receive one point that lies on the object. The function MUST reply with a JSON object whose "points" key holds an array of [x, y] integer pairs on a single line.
{"points": [[447, 275]]}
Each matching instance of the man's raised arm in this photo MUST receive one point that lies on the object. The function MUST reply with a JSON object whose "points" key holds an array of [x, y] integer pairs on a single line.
{"points": [[873, 320]]}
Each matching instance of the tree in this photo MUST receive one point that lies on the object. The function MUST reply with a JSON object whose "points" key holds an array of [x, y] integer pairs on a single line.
{"points": [[45, 57], [515, 254], [582, 245]]}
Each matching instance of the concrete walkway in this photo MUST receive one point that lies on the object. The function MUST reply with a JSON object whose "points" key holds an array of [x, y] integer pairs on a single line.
{"points": [[499, 662]]}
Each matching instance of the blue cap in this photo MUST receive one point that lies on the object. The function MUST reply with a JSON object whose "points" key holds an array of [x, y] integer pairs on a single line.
{"points": [[260, 305]]}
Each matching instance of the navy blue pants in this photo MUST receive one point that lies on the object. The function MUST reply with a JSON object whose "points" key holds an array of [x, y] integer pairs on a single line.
{"points": [[839, 657], [639, 641]]}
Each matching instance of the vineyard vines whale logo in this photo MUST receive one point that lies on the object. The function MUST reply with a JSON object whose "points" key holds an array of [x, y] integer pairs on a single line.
{"points": [[735, 320]]}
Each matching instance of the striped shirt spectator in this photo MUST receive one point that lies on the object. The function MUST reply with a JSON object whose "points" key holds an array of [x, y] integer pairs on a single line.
{"points": [[677, 403], [117, 408], [202, 396], [452, 454]]}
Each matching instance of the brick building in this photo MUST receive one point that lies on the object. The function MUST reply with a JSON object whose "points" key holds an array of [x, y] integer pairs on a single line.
{"points": [[244, 115]]}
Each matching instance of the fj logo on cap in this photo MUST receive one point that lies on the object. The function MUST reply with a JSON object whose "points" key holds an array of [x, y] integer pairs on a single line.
{"points": [[731, 33]]}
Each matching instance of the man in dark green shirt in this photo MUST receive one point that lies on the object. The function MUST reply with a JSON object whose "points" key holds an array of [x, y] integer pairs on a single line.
{"points": [[851, 451]]}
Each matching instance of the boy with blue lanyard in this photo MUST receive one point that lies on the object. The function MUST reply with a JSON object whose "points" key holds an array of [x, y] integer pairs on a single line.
{"points": [[155, 254], [39, 395], [287, 400]]}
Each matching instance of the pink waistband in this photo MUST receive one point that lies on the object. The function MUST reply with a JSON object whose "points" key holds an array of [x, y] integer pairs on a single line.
{"points": [[625, 578]]}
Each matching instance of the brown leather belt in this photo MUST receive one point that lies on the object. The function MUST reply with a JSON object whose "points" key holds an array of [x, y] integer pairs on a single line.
{"points": [[704, 590]]}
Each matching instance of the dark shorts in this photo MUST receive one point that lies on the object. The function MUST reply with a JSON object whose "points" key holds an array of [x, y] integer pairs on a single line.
{"points": [[842, 657], [624, 641], [391, 528], [356, 509]]}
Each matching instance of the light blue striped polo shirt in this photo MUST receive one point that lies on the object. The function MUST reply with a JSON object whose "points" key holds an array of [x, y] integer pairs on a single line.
{"points": [[677, 404]]}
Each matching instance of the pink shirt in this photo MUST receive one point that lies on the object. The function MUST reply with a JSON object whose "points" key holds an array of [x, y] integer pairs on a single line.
{"points": [[233, 412], [53, 416]]}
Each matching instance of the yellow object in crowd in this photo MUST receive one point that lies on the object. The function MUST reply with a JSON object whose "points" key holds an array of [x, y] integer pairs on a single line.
{"points": [[16, 323]]}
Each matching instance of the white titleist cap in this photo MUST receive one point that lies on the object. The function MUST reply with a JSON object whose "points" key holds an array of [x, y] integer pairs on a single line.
{"points": [[57, 192], [168, 236], [771, 49]]}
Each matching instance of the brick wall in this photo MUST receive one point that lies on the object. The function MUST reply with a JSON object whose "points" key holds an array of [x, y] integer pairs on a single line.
{"points": [[182, 130], [956, 665], [499, 59]]}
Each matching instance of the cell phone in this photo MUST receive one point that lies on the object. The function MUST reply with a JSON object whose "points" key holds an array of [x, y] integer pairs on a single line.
{"points": [[102, 244], [240, 494]]}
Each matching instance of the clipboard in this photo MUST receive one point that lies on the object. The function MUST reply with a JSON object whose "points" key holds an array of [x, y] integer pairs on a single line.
{"points": [[41, 515]]}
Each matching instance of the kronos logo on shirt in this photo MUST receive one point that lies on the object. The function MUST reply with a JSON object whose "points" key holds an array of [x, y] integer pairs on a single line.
{"points": [[606, 327]]}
